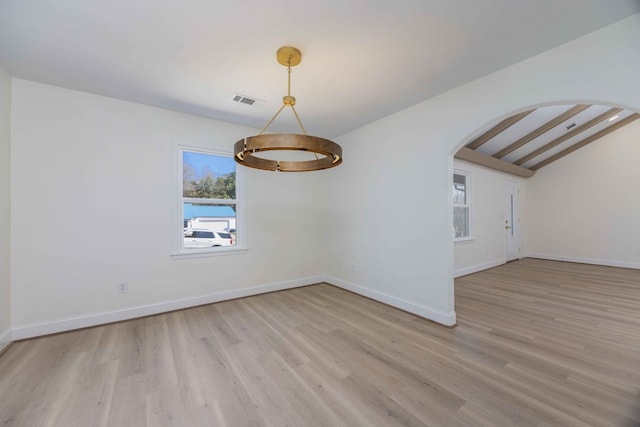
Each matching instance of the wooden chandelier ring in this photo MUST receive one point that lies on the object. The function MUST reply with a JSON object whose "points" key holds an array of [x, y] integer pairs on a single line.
{"points": [[244, 149]]}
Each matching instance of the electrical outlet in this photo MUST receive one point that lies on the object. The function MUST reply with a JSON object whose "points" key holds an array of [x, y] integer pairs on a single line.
{"points": [[123, 288], [353, 268]]}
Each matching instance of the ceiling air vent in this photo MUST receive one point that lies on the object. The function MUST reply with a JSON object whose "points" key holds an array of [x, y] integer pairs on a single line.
{"points": [[572, 125], [243, 99]]}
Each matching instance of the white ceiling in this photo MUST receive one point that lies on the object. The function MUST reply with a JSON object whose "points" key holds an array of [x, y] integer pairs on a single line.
{"points": [[362, 59]]}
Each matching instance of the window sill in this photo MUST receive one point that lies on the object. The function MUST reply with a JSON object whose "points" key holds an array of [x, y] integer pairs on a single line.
{"points": [[207, 253], [462, 240]]}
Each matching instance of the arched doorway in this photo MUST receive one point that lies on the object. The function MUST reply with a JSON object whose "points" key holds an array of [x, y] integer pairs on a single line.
{"points": [[500, 157]]}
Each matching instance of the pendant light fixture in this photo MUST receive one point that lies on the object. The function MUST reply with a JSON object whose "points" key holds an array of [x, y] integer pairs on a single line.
{"points": [[327, 153]]}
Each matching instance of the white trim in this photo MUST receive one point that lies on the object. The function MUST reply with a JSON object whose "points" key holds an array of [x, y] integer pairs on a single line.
{"points": [[207, 253], [479, 267], [438, 316], [76, 322], [35, 329], [462, 240], [5, 339], [594, 261]]}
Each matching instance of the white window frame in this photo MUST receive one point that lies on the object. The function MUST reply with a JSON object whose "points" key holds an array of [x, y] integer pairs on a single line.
{"points": [[469, 237], [177, 224]]}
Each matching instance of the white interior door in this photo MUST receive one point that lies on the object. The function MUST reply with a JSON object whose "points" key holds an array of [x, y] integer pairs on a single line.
{"points": [[512, 220]]}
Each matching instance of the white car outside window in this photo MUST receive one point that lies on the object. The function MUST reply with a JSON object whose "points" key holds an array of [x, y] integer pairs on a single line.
{"points": [[194, 239]]}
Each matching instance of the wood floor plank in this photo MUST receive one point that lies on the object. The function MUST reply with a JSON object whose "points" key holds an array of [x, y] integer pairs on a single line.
{"points": [[348, 406], [538, 343]]}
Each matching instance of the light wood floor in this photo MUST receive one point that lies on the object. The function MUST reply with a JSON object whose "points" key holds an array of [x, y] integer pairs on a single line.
{"points": [[539, 343]]}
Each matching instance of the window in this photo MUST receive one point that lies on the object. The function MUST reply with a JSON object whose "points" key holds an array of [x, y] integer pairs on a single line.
{"points": [[461, 206], [210, 208]]}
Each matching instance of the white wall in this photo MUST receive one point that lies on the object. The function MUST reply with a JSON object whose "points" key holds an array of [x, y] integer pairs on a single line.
{"points": [[5, 207], [487, 247], [585, 206], [403, 164], [91, 207]]}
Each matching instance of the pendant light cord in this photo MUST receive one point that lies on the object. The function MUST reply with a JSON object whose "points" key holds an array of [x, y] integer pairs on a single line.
{"points": [[304, 131], [284, 104], [289, 78], [272, 119]]}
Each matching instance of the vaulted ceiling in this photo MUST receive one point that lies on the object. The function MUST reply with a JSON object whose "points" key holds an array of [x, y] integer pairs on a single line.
{"points": [[362, 59], [527, 141]]}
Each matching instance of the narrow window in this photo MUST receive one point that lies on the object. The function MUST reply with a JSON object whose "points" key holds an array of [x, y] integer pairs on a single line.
{"points": [[461, 206]]}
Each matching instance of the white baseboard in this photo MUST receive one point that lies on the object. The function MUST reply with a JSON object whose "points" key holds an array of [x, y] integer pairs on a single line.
{"points": [[5, 339], [438, 316], [76, 322], [594, 261], [479, 267]]}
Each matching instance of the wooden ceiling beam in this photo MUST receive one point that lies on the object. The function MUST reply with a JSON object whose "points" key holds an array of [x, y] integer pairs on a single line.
{"points": [[542, 129], [482, 159], [568, 135], [586, 141], [499, 128]]}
